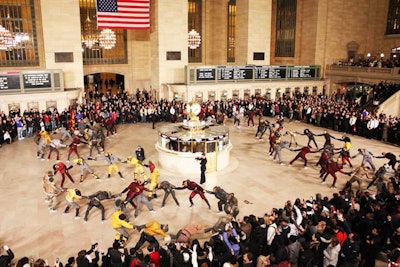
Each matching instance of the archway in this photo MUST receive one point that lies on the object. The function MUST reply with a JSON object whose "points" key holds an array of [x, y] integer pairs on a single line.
{"points": [[104, 83], [354, 91]]}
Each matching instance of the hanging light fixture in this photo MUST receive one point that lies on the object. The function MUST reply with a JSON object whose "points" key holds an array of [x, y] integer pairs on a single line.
{"points": [[90, 35], [21, 37], [6, 39], [107, 39], [10, 37], [194, 39]]}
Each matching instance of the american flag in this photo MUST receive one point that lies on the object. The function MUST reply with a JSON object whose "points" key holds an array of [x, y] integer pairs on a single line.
{"points": [[123, 14]]}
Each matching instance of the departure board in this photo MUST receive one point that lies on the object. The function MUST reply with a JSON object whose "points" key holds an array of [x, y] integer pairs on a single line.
{"points": [[9, 80], [205, 74], [256, 73], [234, 73], [270, 72], [301, 72], [37, 80]]}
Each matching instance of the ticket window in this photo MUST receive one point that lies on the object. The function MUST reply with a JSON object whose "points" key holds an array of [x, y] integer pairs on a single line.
{"points": [[51, 106], [278, 94], [224, 95], [306, 90], [297, 91], [14, 109], [173, 144], [211, 96], [198, 146], [223, 142], [199, 97], [164, 142], [211, 146], [33, 106], [315, 91], [185, 146], [267, 95], [246, 94], [288, 92], [235, 94], [178, 97]]}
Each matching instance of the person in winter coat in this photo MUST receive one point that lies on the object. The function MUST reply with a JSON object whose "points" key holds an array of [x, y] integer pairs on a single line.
{"points": [[331, 253]]}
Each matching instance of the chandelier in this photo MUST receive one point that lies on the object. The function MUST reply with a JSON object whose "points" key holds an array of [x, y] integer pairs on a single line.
{"points": [[6, 39], [107, 39], [10, 39], [93, 40], [194, 39], [90, 36]]}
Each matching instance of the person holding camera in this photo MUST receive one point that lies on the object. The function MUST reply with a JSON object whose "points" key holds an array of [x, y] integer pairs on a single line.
{"points": [[84, 258], [117, 255], [203, 167], [5, 260]]}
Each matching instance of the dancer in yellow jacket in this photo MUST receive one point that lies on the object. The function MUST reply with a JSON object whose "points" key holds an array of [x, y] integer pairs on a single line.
{"points": [[119, 223], [46, 137], [154, 175], [152, 229], [71, 197], [138, 171]]}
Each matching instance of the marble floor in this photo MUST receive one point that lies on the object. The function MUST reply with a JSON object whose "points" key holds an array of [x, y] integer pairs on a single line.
{"points": [[259, 183]]}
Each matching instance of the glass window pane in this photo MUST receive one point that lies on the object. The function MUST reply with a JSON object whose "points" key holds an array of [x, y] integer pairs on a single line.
{"points": [[285, 28], [211, 147], [94, 49], [18, 19]]}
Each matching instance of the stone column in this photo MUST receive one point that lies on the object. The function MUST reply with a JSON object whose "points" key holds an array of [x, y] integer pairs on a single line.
{"points": [[169, 33], [63, 34]]}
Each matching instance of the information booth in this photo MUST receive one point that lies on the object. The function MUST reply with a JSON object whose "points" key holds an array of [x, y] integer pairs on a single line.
{"points": [[179, 145]]}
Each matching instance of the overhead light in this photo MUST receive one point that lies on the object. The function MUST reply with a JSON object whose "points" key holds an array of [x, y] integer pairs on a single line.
{"points": [[107, 39], [90, 36], [194, 39], [6, 39], [10, 37]]}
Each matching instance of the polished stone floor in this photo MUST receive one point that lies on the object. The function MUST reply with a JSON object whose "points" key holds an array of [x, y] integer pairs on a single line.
{"points": [[259, 183]]}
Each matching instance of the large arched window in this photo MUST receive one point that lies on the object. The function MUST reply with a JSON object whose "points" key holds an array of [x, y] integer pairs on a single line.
{"points": [[18, 39], [393, 18], [195, 23], [93, 49], [231, 31], [285, 28]]}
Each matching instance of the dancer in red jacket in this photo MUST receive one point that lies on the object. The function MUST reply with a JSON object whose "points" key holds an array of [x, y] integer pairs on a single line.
{"points": [[196, 189], [332, 168], [302, 154], [63, 170]]}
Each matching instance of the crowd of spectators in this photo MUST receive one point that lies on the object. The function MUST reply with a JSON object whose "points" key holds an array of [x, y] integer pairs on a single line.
{"points": [[334, 112], [393, 62], [349, 228], [346, 229]]}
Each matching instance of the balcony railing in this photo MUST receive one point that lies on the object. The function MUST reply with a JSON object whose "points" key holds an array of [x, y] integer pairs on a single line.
{"points": [[364, 72]]}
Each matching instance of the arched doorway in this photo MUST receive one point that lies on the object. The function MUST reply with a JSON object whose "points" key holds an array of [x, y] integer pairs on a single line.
{"points": [[354, 92], [99, 84]]}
